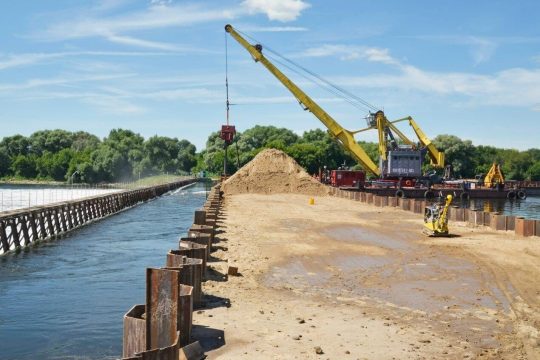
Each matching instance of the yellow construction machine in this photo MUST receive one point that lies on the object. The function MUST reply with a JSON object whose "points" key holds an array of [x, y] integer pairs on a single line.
{"points": [[494, 176], [436, 218], [399, 156]]}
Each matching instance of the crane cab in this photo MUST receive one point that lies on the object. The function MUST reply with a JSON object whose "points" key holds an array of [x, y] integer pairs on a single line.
{"points": [[402, 162]]}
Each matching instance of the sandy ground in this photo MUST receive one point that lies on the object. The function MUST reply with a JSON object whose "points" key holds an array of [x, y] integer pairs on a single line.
{"points": [[362, 282]]}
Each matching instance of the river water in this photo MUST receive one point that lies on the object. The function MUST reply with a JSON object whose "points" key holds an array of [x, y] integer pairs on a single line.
{"points": [[65, 299], [528, 208]]}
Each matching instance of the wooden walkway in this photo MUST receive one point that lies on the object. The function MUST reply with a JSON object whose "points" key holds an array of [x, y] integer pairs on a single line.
{"points": [[23, 227]]}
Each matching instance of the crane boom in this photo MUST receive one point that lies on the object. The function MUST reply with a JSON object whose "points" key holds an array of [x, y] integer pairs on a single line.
{"points": [[345, 137], [436, 156]]}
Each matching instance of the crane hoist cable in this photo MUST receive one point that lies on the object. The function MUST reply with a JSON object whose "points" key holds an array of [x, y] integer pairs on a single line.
{"points": [[327, 85], [227, 77], [351, 102], [228, 103]]}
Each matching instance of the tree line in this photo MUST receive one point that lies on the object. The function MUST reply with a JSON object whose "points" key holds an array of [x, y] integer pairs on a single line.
{"points": [[124, 155], [315, 149], [82, 157]]}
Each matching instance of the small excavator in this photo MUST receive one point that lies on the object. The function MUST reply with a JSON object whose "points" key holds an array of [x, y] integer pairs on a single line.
{"points": [[494, 177], [436, 218]]}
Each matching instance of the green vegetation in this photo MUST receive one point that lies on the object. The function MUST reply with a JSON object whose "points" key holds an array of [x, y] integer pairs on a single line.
{"points": [[126, 156], [315, 148], [122, 156]]}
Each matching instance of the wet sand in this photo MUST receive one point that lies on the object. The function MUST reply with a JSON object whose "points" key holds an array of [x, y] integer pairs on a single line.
{"points": [[362, 282]]}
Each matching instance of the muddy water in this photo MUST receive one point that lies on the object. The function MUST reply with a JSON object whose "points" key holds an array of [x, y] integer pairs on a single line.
{"points": [[409, 275], [65, 299]]}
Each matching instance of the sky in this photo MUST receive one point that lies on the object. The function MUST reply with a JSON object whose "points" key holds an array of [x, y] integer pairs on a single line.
{"points": [[157, 67]]}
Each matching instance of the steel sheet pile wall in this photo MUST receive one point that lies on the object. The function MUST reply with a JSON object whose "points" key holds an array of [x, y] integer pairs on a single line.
{"points": [[23, 227], [520, 226], [161, 328]]}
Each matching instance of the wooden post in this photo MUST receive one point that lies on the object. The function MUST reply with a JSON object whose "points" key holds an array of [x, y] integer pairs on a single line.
{"points": [[68, 217], [48, 223], [57, 220], [3, 237], [24, 228], [42, 230], [15, 234], [33, 226]]}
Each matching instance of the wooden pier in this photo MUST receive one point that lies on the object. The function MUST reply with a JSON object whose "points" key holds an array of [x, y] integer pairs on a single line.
{"points": [[22, 227]]}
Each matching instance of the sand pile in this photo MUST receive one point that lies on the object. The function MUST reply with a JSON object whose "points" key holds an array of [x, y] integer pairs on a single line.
{"points": [[271, 172]]}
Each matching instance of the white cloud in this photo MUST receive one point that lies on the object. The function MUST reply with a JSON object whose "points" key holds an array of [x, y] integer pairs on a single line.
{"points": [[95, 22], [161, 2], [253, 28], [349, 52], [61, 81], [256, 100], [154, 17], [16, 60], [128, 40], [106, 5], [481, 49], [280, 10], [114, 28], [511, 87], [11, 61], [114, 105]]}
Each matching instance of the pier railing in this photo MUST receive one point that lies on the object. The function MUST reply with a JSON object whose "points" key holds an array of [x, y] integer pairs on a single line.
{"points": [[20, 228]]}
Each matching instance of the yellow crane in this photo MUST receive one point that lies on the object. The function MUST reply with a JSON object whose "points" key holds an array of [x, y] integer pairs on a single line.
{"points": [[396, 159]]}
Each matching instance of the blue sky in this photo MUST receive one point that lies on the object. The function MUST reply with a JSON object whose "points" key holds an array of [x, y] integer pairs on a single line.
{"points": [[469, 68]]}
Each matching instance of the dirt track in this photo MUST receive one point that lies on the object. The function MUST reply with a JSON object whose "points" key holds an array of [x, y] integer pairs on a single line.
{"points": [[361, 282]]}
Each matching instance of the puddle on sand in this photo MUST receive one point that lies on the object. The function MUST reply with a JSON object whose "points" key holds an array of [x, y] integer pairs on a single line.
{"points": [[409, 275], [298, 273], [359, 262], [351, 233]]}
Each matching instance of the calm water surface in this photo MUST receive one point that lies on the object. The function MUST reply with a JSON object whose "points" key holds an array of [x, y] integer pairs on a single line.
{"points": [[528, 208], [65, 299]]}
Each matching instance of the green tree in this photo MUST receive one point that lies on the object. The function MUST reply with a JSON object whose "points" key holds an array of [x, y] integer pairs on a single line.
{"points": [[109, 164], [87, 173], [162, 152], [83, 141], [187, 158], [459, 153], [24, 166], [309, 156], [534, 172], [260, 136], [4, 162], [50, 140], [119, 153], [15, 145]]}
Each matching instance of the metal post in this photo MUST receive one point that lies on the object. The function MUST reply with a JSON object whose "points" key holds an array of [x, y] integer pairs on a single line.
{"points": [[225, 162]]}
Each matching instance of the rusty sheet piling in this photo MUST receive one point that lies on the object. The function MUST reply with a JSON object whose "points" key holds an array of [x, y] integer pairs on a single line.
{"points": [[520, 226], [162, 329]]}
